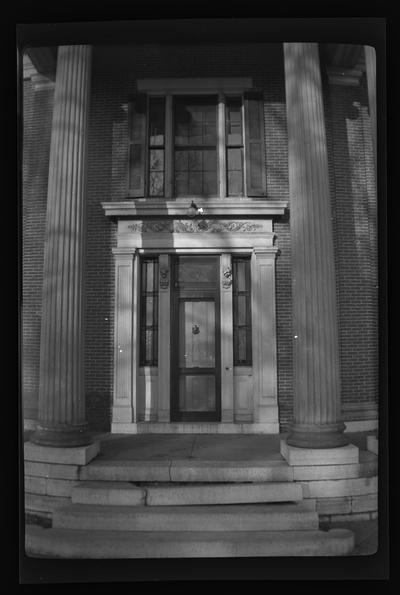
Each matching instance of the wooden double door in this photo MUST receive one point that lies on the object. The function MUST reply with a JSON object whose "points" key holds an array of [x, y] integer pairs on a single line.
{"points": [[195, 339]]}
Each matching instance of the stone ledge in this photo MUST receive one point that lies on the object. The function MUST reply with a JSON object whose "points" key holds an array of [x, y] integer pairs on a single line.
{"points": [[361, 425], [342, 455], [352, 516], [49, 487], [322, 472], [76, 455], [51, 470], [364, 503], [43, 503], [340, 487], [333, 505]]}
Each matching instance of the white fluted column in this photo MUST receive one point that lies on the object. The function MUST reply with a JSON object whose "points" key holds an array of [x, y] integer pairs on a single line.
{"points": [[61, 420], [317, 411]]}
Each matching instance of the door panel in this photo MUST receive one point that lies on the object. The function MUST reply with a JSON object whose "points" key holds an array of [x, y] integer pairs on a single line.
{"points": [[196, 393], [196, 334]]}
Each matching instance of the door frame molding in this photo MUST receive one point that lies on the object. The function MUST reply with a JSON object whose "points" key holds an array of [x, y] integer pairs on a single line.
{"points": [[222, 237]]}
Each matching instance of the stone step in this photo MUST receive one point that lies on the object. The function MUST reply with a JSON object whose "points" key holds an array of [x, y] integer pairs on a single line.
{"points": [[124, 493], [67, 543], [187, 471], [250, 517], [233, 493], [113, 493]]}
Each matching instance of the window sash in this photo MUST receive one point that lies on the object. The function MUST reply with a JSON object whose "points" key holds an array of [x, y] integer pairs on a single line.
{"points": [[236, 174], [241, 295]]}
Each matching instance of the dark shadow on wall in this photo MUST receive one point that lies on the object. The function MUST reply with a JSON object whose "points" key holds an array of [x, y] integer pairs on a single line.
{"points": [[354, 223]]}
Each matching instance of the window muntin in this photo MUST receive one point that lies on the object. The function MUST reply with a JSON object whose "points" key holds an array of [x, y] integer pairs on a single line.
{"points": [[241, 294], [149, 312]]}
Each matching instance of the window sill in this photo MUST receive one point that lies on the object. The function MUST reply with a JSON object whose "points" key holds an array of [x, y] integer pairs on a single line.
{"points": [[143, 207]]}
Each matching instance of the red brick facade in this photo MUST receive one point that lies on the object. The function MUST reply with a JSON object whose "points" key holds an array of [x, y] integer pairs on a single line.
{"points": [[353, 212]]}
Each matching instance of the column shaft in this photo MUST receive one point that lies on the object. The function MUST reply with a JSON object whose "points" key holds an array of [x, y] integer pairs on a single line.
{"points": [[315, 333], [61, 390]]}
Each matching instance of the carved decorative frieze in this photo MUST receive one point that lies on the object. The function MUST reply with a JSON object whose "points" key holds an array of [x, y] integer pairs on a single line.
{"points": [[202, 225], [227, 278], [164, 278]]}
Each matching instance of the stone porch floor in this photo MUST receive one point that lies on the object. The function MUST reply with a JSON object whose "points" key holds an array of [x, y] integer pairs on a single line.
{"points": [[210, 447]]}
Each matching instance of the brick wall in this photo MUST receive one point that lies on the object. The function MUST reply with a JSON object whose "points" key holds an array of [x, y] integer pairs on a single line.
{"points": [[350, 159], [354, 221]]}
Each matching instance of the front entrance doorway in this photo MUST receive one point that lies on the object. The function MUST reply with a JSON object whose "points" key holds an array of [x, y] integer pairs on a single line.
{"points": [[195, 339]]}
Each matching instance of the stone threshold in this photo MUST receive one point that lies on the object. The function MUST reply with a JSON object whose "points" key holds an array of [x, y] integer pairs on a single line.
{"points": [[195, 428]]}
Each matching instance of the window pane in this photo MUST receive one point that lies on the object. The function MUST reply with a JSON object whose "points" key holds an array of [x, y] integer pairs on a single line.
{"points": [[234, 122], [181, 160], [156, 121], [157, 160], [195, 121], [181, 183], [240, 275], [195, 125], [149, 346], [209, 134], [241, 346], [195, 161], [195, 172], [156, 184], [149, 311], [195, 135], [210, 182], [235, 183], [235, 171], [209, 160], [241, 309], [195, 182]]}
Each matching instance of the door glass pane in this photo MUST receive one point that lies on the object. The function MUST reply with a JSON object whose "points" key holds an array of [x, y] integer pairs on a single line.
{"points": [[197, 272]]}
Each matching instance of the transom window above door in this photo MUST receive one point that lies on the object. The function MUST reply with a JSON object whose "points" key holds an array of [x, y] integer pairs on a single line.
{"points": [[196, 145]]}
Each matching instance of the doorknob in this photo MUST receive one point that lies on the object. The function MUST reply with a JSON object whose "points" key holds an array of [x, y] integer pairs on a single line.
{"points": [[195, 329]]}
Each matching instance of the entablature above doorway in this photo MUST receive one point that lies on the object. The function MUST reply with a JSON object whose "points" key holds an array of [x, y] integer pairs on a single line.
{"points": [[149, 207], [200, 234]]}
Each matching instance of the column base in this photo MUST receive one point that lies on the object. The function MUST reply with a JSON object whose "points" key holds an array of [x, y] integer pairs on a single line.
{"points": [[304, 457], [61, 435], [317, 436], [79, 455]]}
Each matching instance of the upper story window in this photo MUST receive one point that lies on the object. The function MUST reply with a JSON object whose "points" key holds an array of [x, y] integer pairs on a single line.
{"points": [[196, 144]]}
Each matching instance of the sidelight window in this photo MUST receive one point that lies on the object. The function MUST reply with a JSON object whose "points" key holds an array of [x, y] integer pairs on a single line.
{"points": [[241, 294], [149, 312]]}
